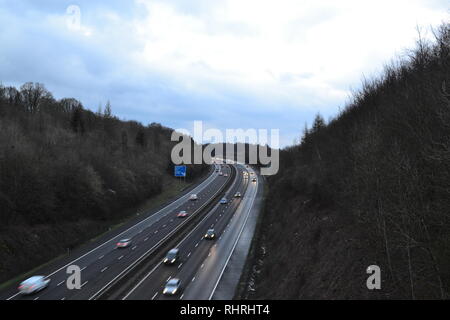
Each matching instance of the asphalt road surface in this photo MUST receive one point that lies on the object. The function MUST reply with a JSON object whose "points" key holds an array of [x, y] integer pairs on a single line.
{"points": [[104, 263], [202, 261]]}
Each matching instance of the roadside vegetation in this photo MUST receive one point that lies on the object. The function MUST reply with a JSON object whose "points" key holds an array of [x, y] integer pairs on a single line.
{"points": [[67, 174], [370, 187]]}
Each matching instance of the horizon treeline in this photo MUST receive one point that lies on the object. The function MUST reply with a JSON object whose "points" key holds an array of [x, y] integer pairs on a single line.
{"points": [[67, 172], [371, 187]]}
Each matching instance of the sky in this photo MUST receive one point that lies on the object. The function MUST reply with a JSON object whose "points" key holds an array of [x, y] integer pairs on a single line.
{"points": [[232, 63]]}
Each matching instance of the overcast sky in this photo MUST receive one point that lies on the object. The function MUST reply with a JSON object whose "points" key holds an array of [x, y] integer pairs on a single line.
{"points": [[231, 63]]}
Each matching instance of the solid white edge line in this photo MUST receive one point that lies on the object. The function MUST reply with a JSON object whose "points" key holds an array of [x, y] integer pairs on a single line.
{"points": [[179, 243], [234, 246], [202, 186]]}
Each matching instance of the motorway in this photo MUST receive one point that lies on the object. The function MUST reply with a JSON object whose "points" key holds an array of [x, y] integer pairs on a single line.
{"points": [[106, 270]]}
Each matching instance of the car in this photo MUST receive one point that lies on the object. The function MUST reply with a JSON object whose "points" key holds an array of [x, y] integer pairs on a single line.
{"points": [[220, 173], [254, 179], [223, 201], [33, 285], [182, 214], [210, 234], [172, 287], [193, 197], [172, 256], [217, 170], [124, 243], [237, 195], [225, 175]]}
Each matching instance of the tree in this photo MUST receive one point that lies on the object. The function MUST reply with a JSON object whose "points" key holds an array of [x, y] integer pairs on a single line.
{"points": [[33, 94], [107, 113], [318, 124], [141, 139], [77, 122]]}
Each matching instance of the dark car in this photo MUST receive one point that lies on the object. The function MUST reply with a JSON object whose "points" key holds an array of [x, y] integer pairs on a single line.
{"points": [[210, 234], [171, 256]]}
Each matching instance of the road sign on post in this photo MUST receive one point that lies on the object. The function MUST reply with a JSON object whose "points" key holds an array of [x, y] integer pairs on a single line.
{"points": [[180, 171]]}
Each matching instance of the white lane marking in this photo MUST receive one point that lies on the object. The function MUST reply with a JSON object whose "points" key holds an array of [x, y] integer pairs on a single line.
{"points": [[64, 298], [101, 257], [164, 226], [120, 258], [234, 246], [156, 231], [178, 201], [182, 296], [154, 296], [104, 269], [60, 283], [83, 268], [140, 282], [84, 284], [196, 245], [189, 254], [184, 239], [193, 279], [180, 265], [202, 266], [134, 248], [145, 239], [36, 298], [169, 278]]}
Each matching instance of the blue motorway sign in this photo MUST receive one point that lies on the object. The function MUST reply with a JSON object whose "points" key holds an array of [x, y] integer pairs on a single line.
{"points": [[180, 171]]}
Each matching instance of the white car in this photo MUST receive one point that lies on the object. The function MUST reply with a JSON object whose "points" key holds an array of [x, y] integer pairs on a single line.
{"points": [[172, 287], [124, 243], [193, 197], [33, 285]]}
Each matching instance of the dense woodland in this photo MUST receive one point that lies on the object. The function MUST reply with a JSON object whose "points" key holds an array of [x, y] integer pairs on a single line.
{"points": [[67, 173], [371, 186]]}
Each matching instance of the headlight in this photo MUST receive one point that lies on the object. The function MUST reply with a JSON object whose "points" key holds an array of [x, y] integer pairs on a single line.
{"points": [[165, 291], [173, 260], [165, 260]]}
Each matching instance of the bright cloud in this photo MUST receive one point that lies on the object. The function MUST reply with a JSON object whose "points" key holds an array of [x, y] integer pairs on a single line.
{"points": [[231, 63]]}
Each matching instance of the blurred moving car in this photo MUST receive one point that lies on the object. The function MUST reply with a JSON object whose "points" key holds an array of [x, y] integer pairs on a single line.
{"points": [[172, 256], [210, 234], [237, 195], [182, 214], [220, 173], [254, 179], [124, 243], [193, 197], [33, 285], [172, 287], [223, 201], [225, 175]]}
